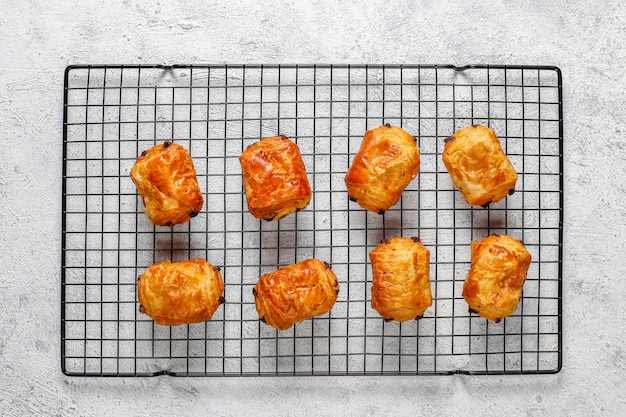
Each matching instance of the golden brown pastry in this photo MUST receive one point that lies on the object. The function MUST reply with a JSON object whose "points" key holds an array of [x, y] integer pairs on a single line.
{"points": [[478, 166], [166, 180], [385, 164], [401, 279], [295, 293], [180, 292], [274, 178], [493, 286]]}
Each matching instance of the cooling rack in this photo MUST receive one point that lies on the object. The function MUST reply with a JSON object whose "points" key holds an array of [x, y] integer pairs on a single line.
{"points": [[113, 112]]}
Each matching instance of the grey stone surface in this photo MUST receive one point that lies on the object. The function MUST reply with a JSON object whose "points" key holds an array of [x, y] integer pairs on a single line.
{"points": [[586, 39]]}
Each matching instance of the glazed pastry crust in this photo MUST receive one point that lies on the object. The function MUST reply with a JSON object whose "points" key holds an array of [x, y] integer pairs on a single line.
{"points": [[493, 286], [166, 181], [401, 279], [385, 164], [478, 166], [295, 293], [180, 292], [274, 178]]}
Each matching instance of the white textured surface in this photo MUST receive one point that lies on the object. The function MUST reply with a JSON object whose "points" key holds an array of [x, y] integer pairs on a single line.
{"points": [[586, 40]]}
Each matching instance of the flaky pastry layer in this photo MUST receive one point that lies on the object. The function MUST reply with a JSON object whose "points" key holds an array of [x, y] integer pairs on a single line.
{"points": [[295, 293], [166, 181], [385, 164], [401, 279], [478, 166], [186, 292], [274, 178], [493, 286]]}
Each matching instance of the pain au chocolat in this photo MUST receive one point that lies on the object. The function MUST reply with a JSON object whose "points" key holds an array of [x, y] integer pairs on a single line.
{"points": [[274, 178], [186, 292], [493, 286], [385, 164], [296, 292], [166, 181], [478, 166], [401, 279]]}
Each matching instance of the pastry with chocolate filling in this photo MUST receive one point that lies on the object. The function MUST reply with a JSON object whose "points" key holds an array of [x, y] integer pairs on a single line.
{"points": [[385, 164], [166, 181], [478, 166], [493, 286], [186, 292], [274, 178], [295, 293], [401, 279]]}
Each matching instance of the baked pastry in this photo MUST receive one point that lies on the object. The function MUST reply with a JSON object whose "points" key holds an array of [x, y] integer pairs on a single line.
{"points": [[493, 286], [274, 178], [180, 292], [385, 164], [166, 181], [295, 293], [478, 166], [401, 279]]}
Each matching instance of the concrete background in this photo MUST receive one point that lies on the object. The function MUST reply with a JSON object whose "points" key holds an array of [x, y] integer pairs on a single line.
{"points": [[586, 39]]}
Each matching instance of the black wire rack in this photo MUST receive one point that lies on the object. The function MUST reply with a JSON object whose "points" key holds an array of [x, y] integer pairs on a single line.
{"points": [[113, 112]]}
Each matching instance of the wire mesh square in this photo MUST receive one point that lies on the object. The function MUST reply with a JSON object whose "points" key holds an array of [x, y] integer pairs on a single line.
{"points": [[113, 113]]}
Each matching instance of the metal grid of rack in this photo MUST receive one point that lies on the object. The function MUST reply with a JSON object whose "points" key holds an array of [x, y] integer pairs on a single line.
{"points": [[113, 113]]}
